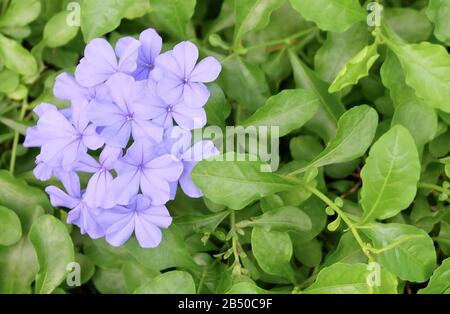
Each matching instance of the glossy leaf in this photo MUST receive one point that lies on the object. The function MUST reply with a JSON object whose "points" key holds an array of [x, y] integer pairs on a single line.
{"points": [[439, 281], [288, 110], [10, 228], [355, 69], [54, 250], [355, 132], [217, 179], [283, 219], [173, 15], [404, 250], [331, 15], [390, 175], [16, 58], [273, 251]]}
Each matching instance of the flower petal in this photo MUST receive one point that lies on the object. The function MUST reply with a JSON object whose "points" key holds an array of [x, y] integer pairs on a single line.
{"points": [[206, 70]]}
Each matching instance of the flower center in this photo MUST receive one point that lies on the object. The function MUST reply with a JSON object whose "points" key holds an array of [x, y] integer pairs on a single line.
{"points": [[129, 117], [150, 66], [169, 108], [186, 80]]}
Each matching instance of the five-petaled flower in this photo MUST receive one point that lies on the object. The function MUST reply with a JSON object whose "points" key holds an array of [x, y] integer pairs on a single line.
{"points": [[137, 108]]}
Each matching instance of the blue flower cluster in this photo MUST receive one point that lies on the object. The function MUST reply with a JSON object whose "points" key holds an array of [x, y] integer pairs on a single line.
{"points": [[138, 107]]}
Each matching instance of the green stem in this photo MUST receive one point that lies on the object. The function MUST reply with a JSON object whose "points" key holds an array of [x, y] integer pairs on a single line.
{"points": [[234, 240], [343, 216], [431, 186], [12, 164], [287, 41]]}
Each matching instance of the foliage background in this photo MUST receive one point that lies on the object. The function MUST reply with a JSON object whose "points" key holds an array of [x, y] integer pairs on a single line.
{"points": [[309, 228]]}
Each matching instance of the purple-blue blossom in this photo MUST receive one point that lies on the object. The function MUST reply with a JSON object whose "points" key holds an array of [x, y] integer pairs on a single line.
{"points": [[128, 127]]}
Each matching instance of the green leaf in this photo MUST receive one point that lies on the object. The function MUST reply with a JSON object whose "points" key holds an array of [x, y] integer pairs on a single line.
{"points": [[288, 110], [410, 24], [246, 288], [57, 32], [347, 251], [305, 147], [438, 12], [324, 122], [236, 181], [342, 278], [10, 228], [20, 13], [355, 132], [273, 251], [18, 267], [20, 127], [309, 253], [404, 250], [16, 58], [390, 175], [99, 17], [440, 280], [173, 16], [282, 219], [110, 281], [172, 252], [420, 120], [427, 71], [136, 275], [252, 15], [217, 108], [393, 78], [338, 49], [172, 282], [356, 68], [12, 193], [331, 15], [244, 82], [54, 249], [9, 81]]}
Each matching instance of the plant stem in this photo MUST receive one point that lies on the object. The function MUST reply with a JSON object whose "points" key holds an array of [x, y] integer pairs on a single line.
{"points": [[343, 216], [12, 164], [234, 240], [431, 186]]}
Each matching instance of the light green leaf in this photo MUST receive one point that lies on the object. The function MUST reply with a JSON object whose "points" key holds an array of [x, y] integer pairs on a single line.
{"points": [[308, 253], [410, 24], [172, 252], [16, 58], [136, 275], [18, 267], [54, 249], [246, 83], [390, 175], [10, 228], [324, 122], [9, 81], [356, 68], [173, 16], [439, 281], [99, 17], [282, 219], [252, 15], [331, 15], [355, 132], [404, 250], [347, 251], [20, 127], [12, 193], [438, 12], [427, 71], [57, 32], [172, 282], [20, 13], [342, 278], [288, 110], [217, 108], [236, 181], [420, 120], [393, 78], [338, 49], [273, 251], [110, 281], [246, 288]]}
